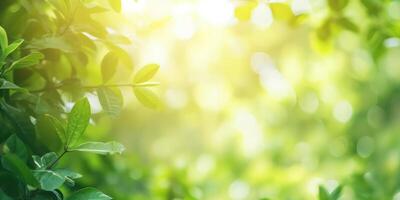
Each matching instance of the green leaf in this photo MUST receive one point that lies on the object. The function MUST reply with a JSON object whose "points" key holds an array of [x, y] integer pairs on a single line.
{"points": [[336, 193], [111, 100], [7, 85], [15, 146], [146, 73], [3, 39], [88, 193], [147, 97], [116, 5], [100, 147], [323, 194], [27, 61], [68, 175], [51, 43], [49, 180], [337, 5], [45, 161], [15, 165], [58, 127], [78, 120], [11, 48], [4, 196], [347, 24], [21, 122], [109, 66]]}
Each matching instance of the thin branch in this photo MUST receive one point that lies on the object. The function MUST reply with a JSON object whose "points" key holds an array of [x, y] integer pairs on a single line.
{"points": [[58, 158]]}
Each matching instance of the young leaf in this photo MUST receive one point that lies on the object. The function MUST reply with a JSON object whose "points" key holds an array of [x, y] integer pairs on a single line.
{"points": [[88, 193], [147, 97], [27, 61], [7, 85], [109, 66], [11, 48], [3, 39], [48, 159], [116, 5], [78, 120], [15, 165], [14, 145], [48, 180], [68, 175], [100, 147], [323, 194], [59, 128], [111, 100], [146, 73]]}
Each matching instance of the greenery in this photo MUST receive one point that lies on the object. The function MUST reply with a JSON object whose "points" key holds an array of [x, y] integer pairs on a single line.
{"points": [[295, 99]]}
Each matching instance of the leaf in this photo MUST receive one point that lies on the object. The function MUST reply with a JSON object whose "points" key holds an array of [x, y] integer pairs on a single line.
{"points": [[337, 5], [46, 132], [323, 194], [15, 165], [7, 85], [48, 180], [15, 146], [336, 193], [109, 66], [27, 61], [58, 127], [243, 12], [146, 73], [21, 122], [147, 97], [78, 120], [3, 39], [51, 43], [68, 175], [116, 5], [88, 193], [111, 100], [100, 147], [11, 48], [4, 196], [45, 161], [347, 24]]}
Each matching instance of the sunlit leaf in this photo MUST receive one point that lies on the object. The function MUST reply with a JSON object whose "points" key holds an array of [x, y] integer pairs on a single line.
{"points": [[12, 47], [111, 100], [88, 193], [16, 146], [244, 11], [27, 61], [335, 194], [100, 147], [78, 120], [48, 180], [337, 5], [3, 39], [116, 5], [323, 194], [109, 66], [15, 165], [146, 73], [147, 97], [51, 43]]}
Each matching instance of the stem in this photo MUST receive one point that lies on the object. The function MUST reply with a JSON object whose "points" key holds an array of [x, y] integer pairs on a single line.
{"points": [[58, 158], [148, 84]]}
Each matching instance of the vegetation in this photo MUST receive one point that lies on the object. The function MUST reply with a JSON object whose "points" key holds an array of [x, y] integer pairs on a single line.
{"points": [[260, 99]]}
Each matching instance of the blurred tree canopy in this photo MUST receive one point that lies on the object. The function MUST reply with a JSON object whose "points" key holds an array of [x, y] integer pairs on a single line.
{"points": [[291, 99]]}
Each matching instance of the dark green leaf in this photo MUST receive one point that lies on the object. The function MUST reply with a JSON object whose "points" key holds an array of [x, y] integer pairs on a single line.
{"points": [[16, 146], [108, 66], [147, 97], [15, 165], [58, 127], [88, 193], [4, 196], [146, 73], [78, 120], [100, 147], [111, 100], [7, 85], [49, 180]]}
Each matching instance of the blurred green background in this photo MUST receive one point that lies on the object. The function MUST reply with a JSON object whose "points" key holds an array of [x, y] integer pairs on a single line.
{"points": [[261, 100]]}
